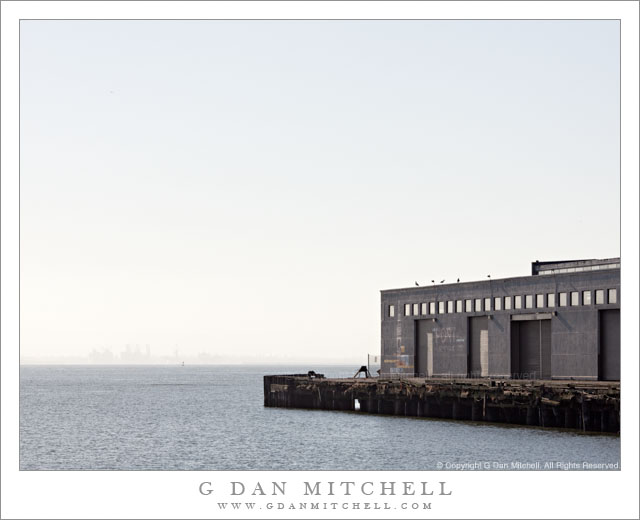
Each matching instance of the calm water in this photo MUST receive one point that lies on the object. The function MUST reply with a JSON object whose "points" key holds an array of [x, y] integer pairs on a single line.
{"points": [[212, 418]]}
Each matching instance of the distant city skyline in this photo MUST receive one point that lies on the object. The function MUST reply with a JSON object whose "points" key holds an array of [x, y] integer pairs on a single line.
{"points": [[137, 355], [244, 189]]}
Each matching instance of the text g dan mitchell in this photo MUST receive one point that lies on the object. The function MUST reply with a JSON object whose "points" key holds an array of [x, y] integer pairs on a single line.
{"points": [[345, 488]]}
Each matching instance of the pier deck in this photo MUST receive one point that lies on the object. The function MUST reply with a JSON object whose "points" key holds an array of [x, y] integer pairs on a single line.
{"points": [[592, 406]]}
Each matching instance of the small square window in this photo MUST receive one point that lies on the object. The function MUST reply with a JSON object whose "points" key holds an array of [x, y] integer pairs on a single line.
{"points": [[528, 301], [440, 307], [458, 305], [497, 303], [468, 305], [599, 297], [487, 304], [423, 309], [551, 300], [478, 305], [450, 306], [432, 307], [539, 301], [507, 303], [613, 296], [586, 297], [575, 298], [517, 302], [392, 311], [407, 309], [563, 299], [416, 309]]}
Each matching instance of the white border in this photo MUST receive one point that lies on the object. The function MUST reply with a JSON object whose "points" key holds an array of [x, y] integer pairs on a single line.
{"points": [[175, 494]]}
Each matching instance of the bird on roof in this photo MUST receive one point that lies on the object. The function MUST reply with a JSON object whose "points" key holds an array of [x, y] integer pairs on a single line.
{"points": [[417, 284], [441, 281], [458, 280], [433, 281]]}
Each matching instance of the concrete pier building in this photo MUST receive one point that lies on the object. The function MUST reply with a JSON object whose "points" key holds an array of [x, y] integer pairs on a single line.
{"points": [[560, 322]]}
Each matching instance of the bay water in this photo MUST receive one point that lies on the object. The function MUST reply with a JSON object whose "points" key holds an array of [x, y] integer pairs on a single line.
{"points": [[211, 417]]}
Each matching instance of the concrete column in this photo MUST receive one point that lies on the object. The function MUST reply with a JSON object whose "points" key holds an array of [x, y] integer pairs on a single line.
{"points": [[427, 409], [570, 418], [604, 421], [588, 426], [476, 411], [455, 409], [614, 421]]}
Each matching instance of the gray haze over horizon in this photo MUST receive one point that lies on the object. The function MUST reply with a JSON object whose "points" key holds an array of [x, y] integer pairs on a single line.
{"points": [[242, 190]]}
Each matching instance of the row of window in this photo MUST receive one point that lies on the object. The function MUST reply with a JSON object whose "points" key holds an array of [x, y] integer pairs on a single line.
{"points": [[580, 269], [498, 303]]}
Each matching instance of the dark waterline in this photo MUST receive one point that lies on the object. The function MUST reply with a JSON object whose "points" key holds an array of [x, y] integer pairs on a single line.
{"points": [[212, 418]]}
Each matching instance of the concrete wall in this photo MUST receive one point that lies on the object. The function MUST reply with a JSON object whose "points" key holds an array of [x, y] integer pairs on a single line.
{"points": [[574, 329], [500, 345]]}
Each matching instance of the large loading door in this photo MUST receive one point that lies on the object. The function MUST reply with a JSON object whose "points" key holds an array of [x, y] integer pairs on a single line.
{"points": [[424, 348], [478, 360], [609, 357], [531, 349]]}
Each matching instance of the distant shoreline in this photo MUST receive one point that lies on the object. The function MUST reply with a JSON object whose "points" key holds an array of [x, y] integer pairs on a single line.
{"points": [[179, 363]]}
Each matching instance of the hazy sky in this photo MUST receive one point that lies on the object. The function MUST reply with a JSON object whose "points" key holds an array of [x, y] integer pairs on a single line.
{"points": [[248, 187]]}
